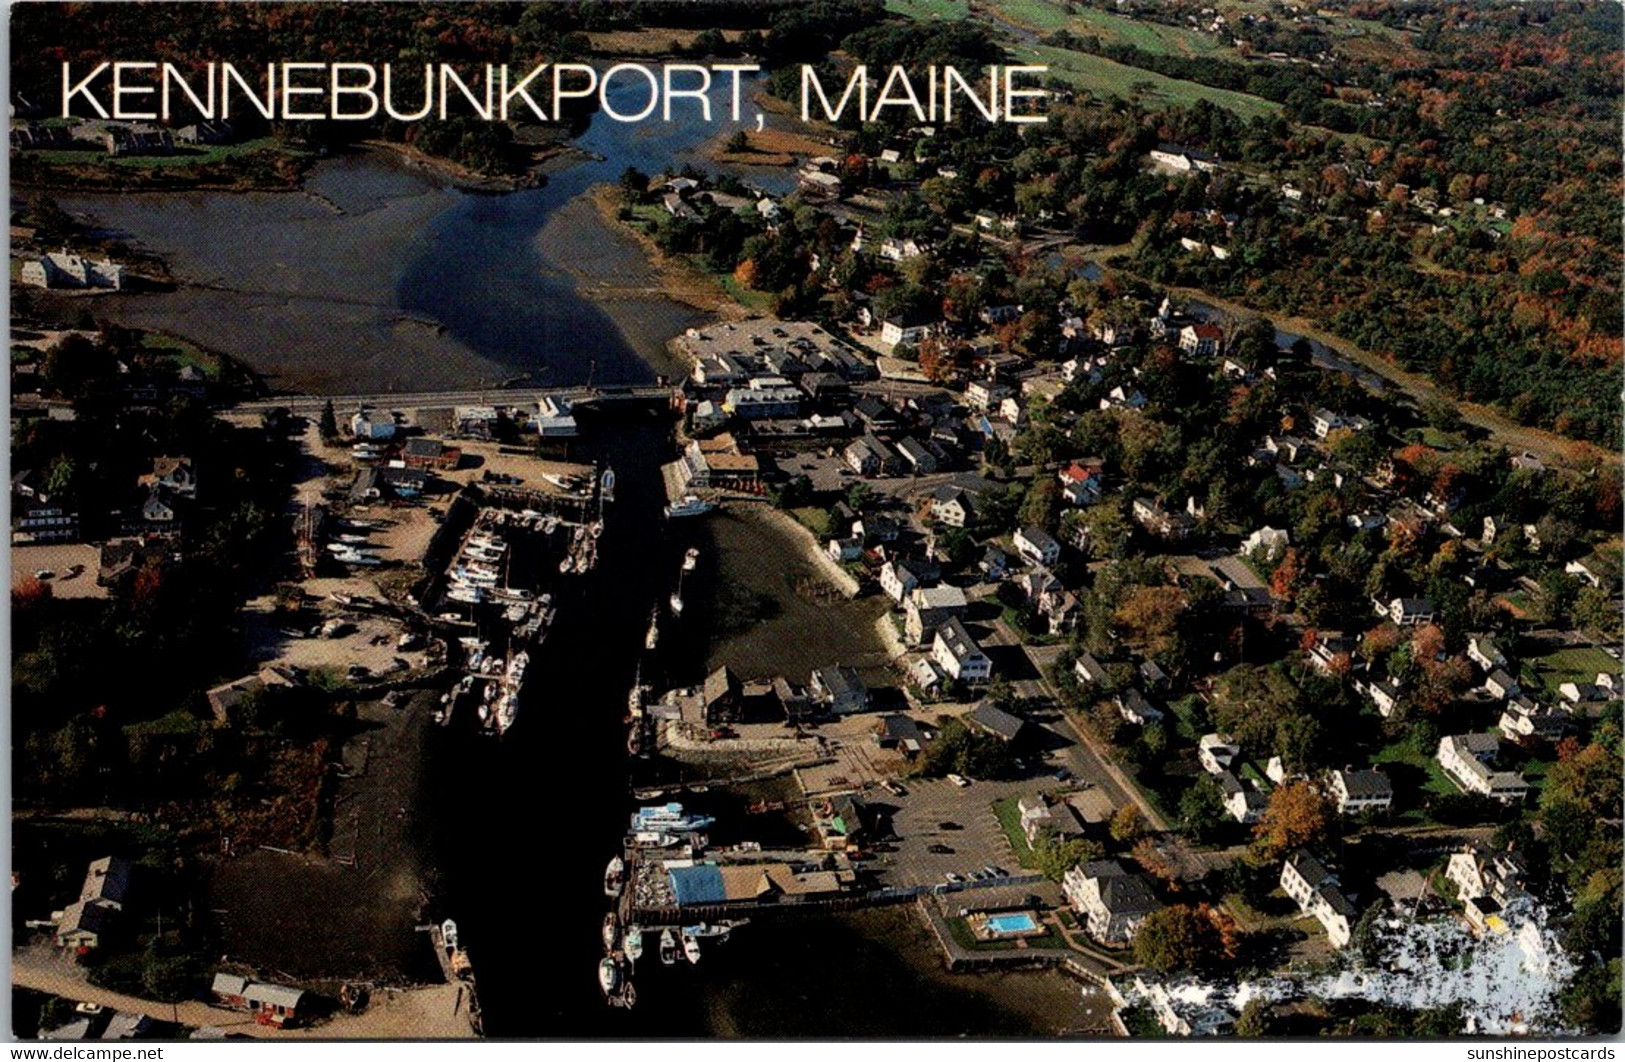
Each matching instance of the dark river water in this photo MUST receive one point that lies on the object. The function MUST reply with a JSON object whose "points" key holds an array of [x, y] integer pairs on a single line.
{"points": [[379, 276]]}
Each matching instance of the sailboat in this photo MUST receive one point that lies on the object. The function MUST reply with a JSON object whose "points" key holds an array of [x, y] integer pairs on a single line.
{"points": [[614, 877], [669, 950], [633, 944], [609, 976], [651, 639], [691, 559]]}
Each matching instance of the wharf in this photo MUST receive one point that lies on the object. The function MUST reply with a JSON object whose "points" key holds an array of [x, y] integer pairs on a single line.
{"points": [[458, 973]]}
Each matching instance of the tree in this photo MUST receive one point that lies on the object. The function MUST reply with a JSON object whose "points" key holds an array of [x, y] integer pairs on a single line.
{"points": [[1202, 817], [329, 423], [634, 183], [1054, 858], [1254, 1021], [1178, 938], [1128, 824], [1297, 815]]}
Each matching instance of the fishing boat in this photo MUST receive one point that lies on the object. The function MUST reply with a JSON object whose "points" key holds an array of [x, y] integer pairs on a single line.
{"points": [[691, 948], [691, 559], [633, 944], [612, 932], [609, 976], [448, 932], [669, 818], [652, 639], [669, 949], [614, 877], [690, 505]]}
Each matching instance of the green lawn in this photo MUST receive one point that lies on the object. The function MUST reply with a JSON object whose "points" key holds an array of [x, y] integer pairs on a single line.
{"points": [[1103, 77], [182, 353], [1415, 775], [1009, 816], [927, 10], [184, 156], [960, 930], [813, 519], [1573, 664], [1047, 16]]}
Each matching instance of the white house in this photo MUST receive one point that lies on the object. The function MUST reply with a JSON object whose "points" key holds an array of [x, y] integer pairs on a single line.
{"points": [[1267, 543], [929, 608], [1111, 900], [1088, 670], [957, 653], [366, 425], [1407, 611], [1243, 804], [1133, 706], [1216, 753], [1485, 653], [1080, 485], [1466, 760], [1037, 546], [894, 332], [1357, 791], [1316, 892]]}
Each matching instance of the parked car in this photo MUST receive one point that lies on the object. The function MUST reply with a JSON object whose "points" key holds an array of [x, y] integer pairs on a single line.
{"points": [[939, 849], [949, 826], [951, 876], [960, 780]]}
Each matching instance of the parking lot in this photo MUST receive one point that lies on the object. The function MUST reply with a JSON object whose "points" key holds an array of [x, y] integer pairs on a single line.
{"points": [[976, 839]]}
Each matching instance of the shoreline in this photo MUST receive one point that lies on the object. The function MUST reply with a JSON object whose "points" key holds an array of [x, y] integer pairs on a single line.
{"points": [[680, 281]]}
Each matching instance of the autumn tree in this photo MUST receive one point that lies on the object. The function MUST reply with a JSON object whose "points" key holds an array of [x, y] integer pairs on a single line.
{"points": [[1297, 815], [1128, 824], [1178, 938]]}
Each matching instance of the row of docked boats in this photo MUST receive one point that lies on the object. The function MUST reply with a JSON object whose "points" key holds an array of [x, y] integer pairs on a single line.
{"points": [[581, 555]]}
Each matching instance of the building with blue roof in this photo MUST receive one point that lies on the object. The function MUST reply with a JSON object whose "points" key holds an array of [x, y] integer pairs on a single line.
{"points": [[700, 884]]}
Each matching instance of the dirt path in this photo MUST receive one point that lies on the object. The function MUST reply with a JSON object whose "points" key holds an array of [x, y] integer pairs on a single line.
{"points": [[434, 1012]]}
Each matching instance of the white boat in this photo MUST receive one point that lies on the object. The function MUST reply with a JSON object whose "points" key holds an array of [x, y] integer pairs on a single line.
{"points": [[633, 944], [565, 565], [550, 524], [448, 932], [614, 877], [651, 639], [691, 948], [691, 559], [676, 604], [669, 949], [690, 505], [609, 976], [612, 932]]}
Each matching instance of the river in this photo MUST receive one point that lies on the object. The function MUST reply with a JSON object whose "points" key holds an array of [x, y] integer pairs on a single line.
{"points": [[379, 275]]}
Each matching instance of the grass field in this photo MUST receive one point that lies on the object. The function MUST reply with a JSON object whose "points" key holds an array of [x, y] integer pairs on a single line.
{"points": [[1415, 775], [182, 353], [1009, 816], [929, 10], [1102, 77], [184, 156], [1572, 664], [1047, 16]]}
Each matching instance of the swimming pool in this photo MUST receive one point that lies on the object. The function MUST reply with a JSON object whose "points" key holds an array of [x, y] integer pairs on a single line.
{"points": [[1006, 924]]}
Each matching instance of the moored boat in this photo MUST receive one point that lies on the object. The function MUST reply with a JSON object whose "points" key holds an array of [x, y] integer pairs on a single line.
{"points": [[690, 505], [691, 948], [614, 877], [612, 932], [609, 976], [669, 949], [691, 559], [633, 944]]}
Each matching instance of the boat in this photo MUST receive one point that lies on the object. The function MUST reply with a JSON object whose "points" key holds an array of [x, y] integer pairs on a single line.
{"points": [[669, 949], [634, 740], [612, 932], [633, 944], [669, 818], [565, 565], [629, 995], [448, 932], [691, 947], [609, 976], [614, 876], [691, 559], [690, 505], [606, 485], [676, 604], [651, 639]]}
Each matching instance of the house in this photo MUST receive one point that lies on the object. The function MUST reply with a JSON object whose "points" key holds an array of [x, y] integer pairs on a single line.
{"points": [[1358, 791], [951, 507], [107, 880], [270, 1004], [874, 527], [902, 733], [1591, 571], [1332, 652], [1111, 900], [723, 697], [994, 563], [1080, 485], [899, 577], [1150, 514], [1089, 671], [83, 924], [1182, 1013], [957, 653], [175, 475], [555, 418], [1317, 893], [1407, 611], [1578, 693], [1037, 547], [869, 456], [1501, 686], [764, 397], [1479, 870], [846, 823], [839, 690], [1201, 340], [1466, 760], [1523, 719], [430, 454], [60, 269], [1216, 753], [1121, 397], [1133, 706], [1043, 821], [1242, 803], [1324, 421], [1485, 653], [1266, 544], [930, 607], [898, 331], [842, 550], [997, 722], [1181, 159], [985, 395], [921, 461], [364, 424], [1384, 694]]}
